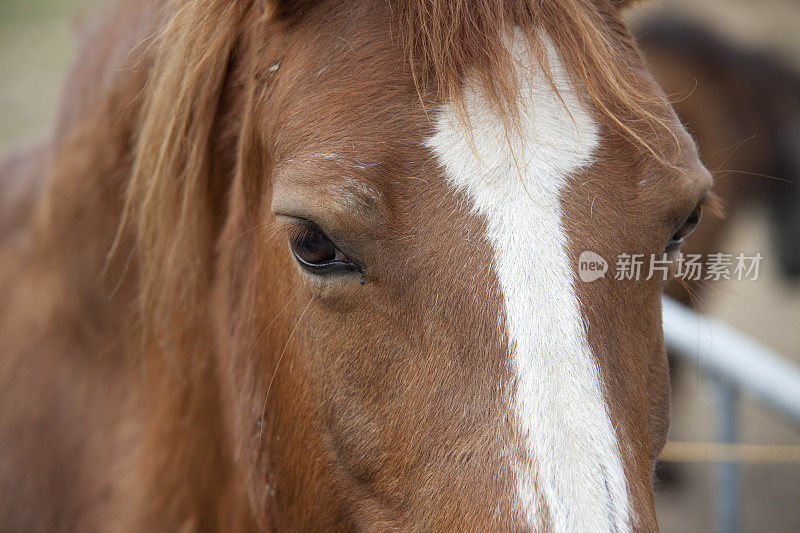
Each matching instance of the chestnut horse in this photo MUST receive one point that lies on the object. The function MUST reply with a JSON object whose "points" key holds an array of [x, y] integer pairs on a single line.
{"points": [[311, 265]]}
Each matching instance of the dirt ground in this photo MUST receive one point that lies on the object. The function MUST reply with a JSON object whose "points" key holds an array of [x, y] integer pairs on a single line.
{"points": [[37, 41]]}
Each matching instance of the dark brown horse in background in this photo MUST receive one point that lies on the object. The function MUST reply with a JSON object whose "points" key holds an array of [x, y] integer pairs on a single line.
{"points": [[743, 108], [311, 265]]}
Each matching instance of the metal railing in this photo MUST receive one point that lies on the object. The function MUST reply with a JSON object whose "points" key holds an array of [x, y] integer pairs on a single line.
{"points": [[737, 364]]}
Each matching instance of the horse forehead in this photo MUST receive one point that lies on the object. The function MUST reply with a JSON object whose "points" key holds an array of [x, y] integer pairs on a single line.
{"points": [[527, 162], [513, 180]]}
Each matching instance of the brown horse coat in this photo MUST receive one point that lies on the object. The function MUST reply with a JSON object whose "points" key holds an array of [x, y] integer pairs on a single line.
{"points": [[166, 363]]}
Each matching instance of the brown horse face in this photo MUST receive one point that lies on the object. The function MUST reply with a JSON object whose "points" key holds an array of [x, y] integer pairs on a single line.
{"points": [[422, 352]]}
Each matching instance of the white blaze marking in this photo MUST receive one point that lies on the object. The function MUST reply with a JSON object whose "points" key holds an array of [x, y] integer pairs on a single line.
{"points": [[560, 411]]}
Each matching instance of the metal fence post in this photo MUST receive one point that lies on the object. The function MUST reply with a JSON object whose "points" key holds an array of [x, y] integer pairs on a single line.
{"points": [[727, 473], [736, 363], [724, 352]]}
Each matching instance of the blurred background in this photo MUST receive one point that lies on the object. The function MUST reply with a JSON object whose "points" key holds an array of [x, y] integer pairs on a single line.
{"points": [[733, 69]]}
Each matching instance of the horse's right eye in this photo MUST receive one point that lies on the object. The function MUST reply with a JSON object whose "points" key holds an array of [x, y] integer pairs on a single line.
{"points": [[317, 253]]}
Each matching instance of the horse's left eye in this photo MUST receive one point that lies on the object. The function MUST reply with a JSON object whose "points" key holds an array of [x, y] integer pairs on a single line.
{"points": [[686, 229], [317, 253]]}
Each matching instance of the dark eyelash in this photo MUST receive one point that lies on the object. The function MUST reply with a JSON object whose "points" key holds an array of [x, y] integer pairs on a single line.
{"points": [[713, 204], [297, 232]]}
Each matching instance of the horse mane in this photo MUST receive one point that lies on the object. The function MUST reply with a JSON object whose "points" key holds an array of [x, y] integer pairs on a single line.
{"points": [[170, 206], [168, 195], [445, 41]]}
